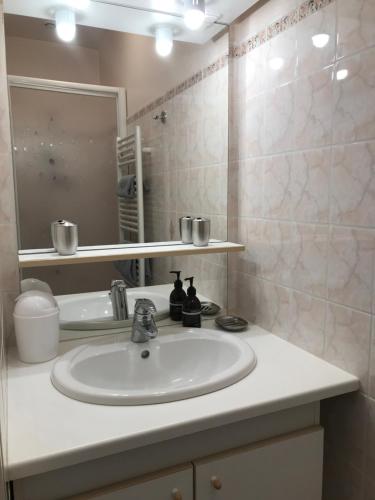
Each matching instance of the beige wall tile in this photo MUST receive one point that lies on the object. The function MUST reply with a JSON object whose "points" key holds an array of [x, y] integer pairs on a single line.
{"points": [[355, 25], [310, 185], [350, 263], [348, 341], [353, 184], [353, 117]]}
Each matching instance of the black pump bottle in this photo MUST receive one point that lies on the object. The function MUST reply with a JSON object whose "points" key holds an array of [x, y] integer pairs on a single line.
{"points": [[191, 310], [176, 298]]}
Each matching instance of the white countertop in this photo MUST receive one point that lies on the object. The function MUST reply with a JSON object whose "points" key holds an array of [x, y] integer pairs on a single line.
{"points": [[47, 430]]}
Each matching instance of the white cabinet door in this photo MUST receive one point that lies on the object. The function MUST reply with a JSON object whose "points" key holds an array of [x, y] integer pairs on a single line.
{"points": [[176, 484], [286, 468]]}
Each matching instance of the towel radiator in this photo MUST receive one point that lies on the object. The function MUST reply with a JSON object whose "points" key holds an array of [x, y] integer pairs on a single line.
{"points": [[131, 211]]}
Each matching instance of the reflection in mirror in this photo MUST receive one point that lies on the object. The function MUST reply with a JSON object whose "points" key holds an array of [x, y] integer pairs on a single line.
{"points": [[123, 142]]}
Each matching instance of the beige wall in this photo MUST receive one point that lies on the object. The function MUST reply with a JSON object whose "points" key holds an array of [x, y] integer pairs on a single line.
{"points": [[302, 171], [130, 61], [54, 61], [8, 245]]}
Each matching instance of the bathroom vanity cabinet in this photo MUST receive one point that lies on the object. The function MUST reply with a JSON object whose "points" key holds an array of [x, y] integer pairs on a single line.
{"points": [[259, 439], [285, 468]]}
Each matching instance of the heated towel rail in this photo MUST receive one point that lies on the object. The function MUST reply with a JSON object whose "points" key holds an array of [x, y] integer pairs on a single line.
{"points": [[131, 211]]}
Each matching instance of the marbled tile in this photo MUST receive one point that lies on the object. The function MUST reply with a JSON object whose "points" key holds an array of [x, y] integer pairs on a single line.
{"points": [[353, 184], [7, 203], [253, 126], [313, 110], [242, 295], [348, 341], [279, 127], [354, 117], [9, 261], [272, 307], [249, 232], [309, 253], [245, 188], [277, 187], [214, 190], [215, 138], [306, 325], [213, 281], [254, 71], [310, 57], [350, 263], [277, 255], [355, 25], [280, 55], [310, 185]]}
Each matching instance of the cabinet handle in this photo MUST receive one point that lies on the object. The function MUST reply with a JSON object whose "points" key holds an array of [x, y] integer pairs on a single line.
{"points": [[216, 483], [176, 494]]}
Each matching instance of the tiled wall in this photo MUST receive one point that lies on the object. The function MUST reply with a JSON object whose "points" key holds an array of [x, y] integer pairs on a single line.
{"points": [[302, 198], [185, 171], [8, 245]]}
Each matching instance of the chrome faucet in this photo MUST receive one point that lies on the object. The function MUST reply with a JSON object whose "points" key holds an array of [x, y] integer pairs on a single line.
{"points": [[119, 300], [144, 326]]}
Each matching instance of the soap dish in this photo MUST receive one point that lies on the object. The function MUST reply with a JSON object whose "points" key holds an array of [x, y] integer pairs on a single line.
{"points": [[209, 308], [231, 323]]}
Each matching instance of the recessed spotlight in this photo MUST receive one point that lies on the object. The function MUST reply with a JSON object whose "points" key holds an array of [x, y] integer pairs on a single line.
{"points": [[163, 41], [276, 63], [65, 24], [194, 14], [320, 40], [342, 74]]}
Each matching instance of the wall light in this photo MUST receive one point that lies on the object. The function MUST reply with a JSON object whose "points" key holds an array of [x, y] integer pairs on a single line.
{"points": [[65, 24], [163, 41], [342, 74], [320, 40], [194, 14], [276, 63]]}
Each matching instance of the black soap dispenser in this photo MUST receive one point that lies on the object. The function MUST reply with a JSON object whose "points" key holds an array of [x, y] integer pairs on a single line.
{"points": [[191, 310], [176, 298]]}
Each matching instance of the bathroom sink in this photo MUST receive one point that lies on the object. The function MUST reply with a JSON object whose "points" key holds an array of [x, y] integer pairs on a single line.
{"points": [[93, 311], [169, 368]]}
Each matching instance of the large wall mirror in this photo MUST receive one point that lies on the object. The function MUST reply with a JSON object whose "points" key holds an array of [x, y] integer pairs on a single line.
{"points": [[130, 81]]}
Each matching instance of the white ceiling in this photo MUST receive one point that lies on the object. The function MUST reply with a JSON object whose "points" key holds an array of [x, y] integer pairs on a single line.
{"points": [[127, 16]]}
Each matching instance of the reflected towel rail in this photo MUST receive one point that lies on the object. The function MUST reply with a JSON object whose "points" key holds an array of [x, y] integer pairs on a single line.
{"points": [[131, 211]]}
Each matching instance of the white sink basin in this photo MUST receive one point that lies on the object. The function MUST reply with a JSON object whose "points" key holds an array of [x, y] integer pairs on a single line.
{"points": [[179, 366], [93, 311]]}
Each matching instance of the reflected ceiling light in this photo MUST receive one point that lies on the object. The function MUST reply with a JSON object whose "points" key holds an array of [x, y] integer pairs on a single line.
{"points": [[342, 74], [163, 41], [320, 41], [65, 24], [194, 14], [276, 63]]}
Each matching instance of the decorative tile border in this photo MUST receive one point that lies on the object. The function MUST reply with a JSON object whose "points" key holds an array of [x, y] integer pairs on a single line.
{"points": [[181, 87], [297, 15], [283, 24]]}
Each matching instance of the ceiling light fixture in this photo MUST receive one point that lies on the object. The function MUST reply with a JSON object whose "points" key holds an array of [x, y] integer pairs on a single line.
{"points": [[194, 14], [65, 24], [320, 40], [163, 41]]}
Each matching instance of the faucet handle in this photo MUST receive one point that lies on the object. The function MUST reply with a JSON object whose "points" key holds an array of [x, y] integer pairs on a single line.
{"points": [[118, 284], [144, 307]]}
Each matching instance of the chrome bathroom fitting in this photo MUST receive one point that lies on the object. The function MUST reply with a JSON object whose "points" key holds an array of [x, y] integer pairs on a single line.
{"points": [[186, 229], [201, 231], [144, 326], [64, 237], [119, 300]]}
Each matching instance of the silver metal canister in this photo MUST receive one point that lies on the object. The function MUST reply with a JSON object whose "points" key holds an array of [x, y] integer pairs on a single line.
{"points": [[64, 237], [186, 229], [201, 231]]}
